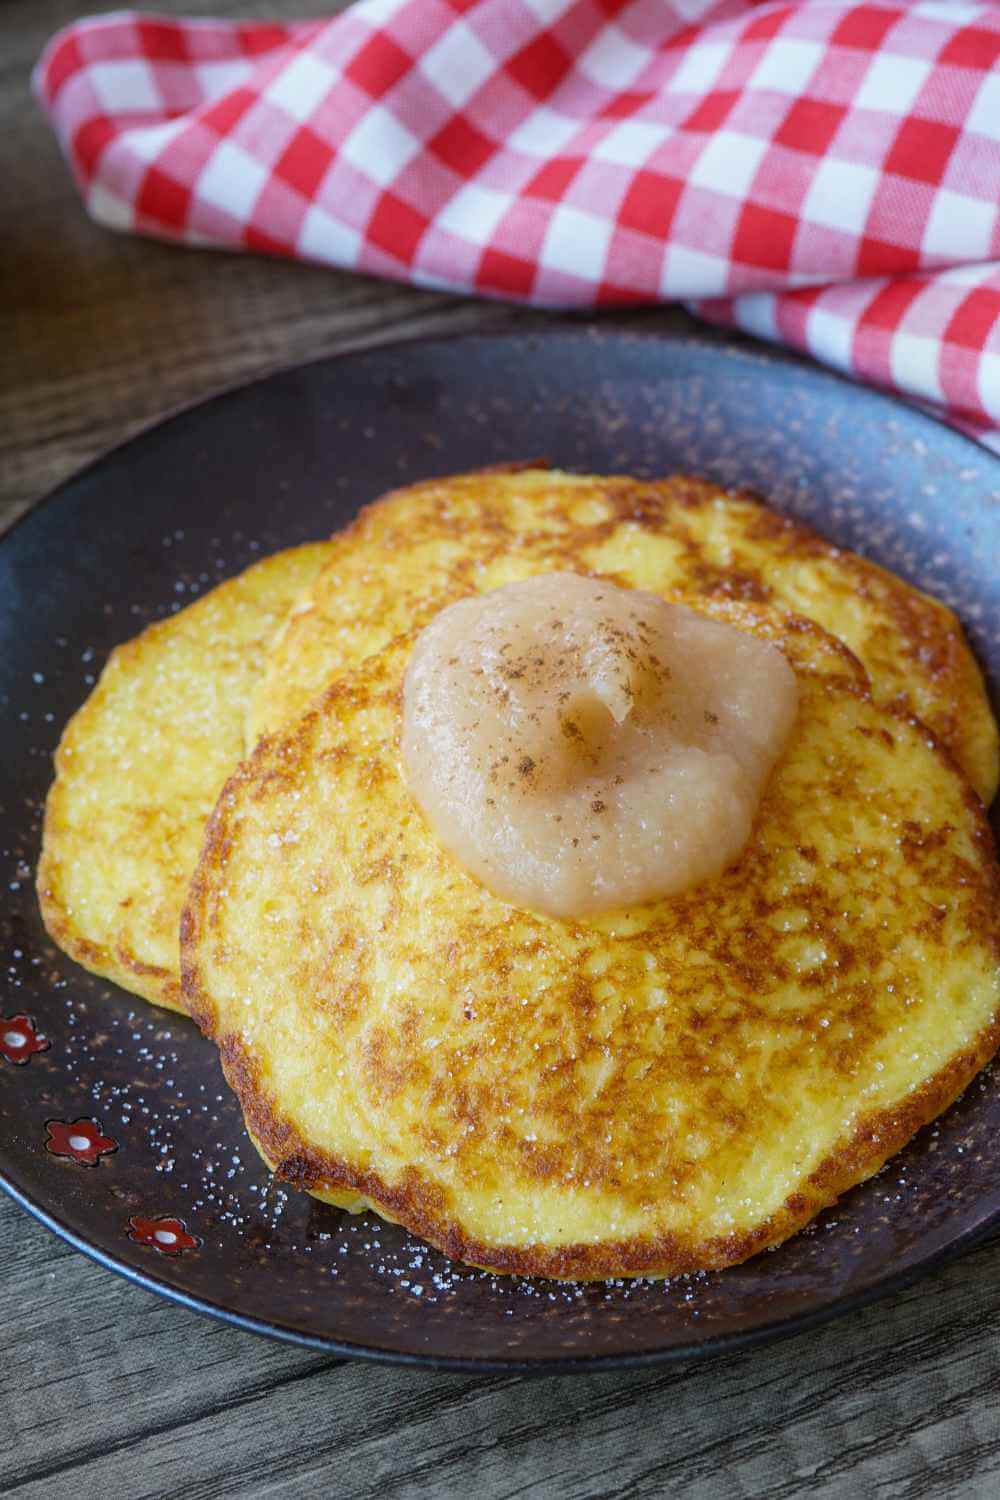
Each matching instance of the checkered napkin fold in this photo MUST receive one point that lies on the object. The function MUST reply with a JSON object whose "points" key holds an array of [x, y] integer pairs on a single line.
{"points": [[821, 174]]}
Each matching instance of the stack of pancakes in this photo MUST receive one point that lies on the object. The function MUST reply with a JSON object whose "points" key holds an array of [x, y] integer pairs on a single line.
{"points": [[655, 1090]]}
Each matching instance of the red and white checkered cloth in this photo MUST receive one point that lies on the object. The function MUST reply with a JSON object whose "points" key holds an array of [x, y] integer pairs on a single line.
{"points": [[822, 174]]}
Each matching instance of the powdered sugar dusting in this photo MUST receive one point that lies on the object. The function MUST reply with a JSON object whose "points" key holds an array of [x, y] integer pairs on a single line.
{"points": [[871, 475]]}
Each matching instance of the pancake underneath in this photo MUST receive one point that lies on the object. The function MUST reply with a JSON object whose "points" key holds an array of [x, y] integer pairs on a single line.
{"points": [[139, 768], [648, 1092], [420, 548]]}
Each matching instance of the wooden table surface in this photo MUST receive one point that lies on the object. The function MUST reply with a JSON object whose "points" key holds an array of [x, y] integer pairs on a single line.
{"points": [[108, 1392]]}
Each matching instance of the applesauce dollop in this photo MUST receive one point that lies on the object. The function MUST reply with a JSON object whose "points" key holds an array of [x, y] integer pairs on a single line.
{"points": [[580, 747]]}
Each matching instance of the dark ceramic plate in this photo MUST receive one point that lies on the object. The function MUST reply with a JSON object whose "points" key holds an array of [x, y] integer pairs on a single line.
{"points": [[182, 1205]]}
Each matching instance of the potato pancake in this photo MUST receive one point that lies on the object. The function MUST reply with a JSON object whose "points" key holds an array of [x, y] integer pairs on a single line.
{"points": [[660, 1089], [138, 770], [418, 549]]}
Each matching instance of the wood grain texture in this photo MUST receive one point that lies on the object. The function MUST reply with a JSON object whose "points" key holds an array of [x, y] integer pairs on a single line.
{"points": [[108, 1392], [101, 334]]}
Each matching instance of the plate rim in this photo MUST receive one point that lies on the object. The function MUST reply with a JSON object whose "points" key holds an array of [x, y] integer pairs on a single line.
{"points": [[582, 328], [705, 335], [708, 1348]]}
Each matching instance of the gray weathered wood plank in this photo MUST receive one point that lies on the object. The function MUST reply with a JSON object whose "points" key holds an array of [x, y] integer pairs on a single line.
{"points": [[104, 1383], [101, 334]]}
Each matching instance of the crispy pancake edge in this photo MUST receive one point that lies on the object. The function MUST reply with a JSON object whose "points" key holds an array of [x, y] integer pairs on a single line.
{"points": [[148, 981], [420, 1207], [119, 963], [931, 636], [877, 1138]]}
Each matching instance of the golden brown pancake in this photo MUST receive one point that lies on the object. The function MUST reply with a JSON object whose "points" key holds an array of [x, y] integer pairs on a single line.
{"points": [[420, 548], [649, 1092], [138, 770]]}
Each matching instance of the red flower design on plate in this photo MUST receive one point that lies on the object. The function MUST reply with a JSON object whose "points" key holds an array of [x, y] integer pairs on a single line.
{"points": [[19, 1039], [169, 1236], [79, 1140]]}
